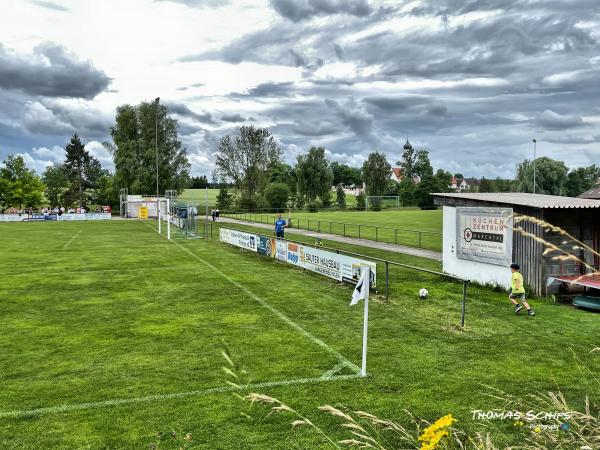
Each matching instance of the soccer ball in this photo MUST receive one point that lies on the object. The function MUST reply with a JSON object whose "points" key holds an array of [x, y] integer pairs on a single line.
{"points": [[423, 293]]}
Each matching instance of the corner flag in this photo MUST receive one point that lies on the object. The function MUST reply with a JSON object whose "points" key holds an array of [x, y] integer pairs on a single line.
{"points": [[362, 287]]}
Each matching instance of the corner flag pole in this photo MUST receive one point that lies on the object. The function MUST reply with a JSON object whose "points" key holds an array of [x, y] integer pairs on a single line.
{"points": [[363, 370], [168, 221], [158, 214]]}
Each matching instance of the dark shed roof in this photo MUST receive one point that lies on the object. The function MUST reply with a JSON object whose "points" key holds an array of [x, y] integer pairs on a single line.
{"points": [[522, 199], [592, 194]]}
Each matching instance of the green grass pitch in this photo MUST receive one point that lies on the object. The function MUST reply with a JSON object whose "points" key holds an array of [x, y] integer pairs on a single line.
{"points": [[110, 334]]}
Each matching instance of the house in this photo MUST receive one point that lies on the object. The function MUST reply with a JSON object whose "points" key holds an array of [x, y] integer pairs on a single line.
{"points": [[396, 174], [459, 184]]}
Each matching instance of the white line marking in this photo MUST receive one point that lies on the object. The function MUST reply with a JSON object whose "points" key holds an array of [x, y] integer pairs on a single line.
{"points": [[149, 398], [278, 313], [72, 272], [72, 239], [335, 369]]}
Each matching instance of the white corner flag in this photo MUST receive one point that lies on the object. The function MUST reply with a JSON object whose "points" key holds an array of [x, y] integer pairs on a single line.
{"points": [[362, 287], [361, 292]]}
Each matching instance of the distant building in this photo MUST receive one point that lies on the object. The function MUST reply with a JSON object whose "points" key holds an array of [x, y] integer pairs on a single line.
{"points": [[396, 172]]}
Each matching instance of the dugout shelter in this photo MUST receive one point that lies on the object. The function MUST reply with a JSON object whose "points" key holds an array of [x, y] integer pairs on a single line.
{"points": [[485, 232]]}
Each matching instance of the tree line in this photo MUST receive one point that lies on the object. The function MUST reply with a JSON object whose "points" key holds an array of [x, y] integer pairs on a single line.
{"points": [[250, 165]]}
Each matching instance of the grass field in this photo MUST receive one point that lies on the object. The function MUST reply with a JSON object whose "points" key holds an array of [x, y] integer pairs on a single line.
{"points": [[376, 225], [111, 333], [198, 197]]}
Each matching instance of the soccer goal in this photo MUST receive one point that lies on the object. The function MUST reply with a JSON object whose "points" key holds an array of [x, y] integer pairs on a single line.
{"points": [[379, 202], [163, 208]]}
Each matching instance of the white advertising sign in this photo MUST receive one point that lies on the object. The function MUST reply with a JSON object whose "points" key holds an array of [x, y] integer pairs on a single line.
{"points": [[333, 265], [484, 235]]}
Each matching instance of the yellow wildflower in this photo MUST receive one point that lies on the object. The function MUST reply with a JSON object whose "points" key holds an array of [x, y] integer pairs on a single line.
{"points": [[431, 436]]}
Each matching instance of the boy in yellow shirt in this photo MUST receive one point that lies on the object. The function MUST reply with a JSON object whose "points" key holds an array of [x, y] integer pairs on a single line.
{"points": [[518, 291]]}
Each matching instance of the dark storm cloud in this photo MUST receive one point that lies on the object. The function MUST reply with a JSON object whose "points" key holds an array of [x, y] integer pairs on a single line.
{"points": [[234, 118], [184, 111], [553, 121], [50, 71], [54, 118], [354, 116], [50, 5], [298, 10], [270, 89]]}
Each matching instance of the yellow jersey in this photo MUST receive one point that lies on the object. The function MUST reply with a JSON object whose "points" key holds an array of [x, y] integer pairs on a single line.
{"points": [[517, 283]]}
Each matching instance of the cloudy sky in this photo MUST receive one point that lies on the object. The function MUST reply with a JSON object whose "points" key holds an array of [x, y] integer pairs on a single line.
{"points": [[473, 81]]}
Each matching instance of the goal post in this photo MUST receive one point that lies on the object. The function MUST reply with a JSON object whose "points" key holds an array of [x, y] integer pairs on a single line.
{"points": [[164, 214], [377, 202]]}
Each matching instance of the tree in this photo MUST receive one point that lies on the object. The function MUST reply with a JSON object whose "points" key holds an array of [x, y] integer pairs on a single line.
{"points": [[340, 197], [19, 186], [582, 179], [56, 184], [422, 166], [406, 191], [105, 191], [277, 195], [551, 176], [134, 153], [408, 161], [345, 175], [360, 201], [200, 182], [314, 176], [376, 172], [224, 198], [486, 185], [247, 159]]}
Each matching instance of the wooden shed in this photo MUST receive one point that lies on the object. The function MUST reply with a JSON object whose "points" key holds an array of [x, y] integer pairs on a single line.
{"points": [[578, 217]]}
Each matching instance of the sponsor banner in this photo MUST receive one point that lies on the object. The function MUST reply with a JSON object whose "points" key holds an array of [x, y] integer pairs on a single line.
{"points": [[293, 254], [281, 248], [484, 235], [243, 240], [263, 245], [333, 265], [330, 264], [12, 217]]}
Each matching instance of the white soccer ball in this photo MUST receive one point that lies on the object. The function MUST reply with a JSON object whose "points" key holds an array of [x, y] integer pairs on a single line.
{"points": [[423, 293]]}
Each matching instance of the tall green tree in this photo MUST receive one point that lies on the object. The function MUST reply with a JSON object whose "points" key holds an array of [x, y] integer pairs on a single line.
{"points": [[582, 179], [56, 184], [277, 195], [77, 163], [345, 175], [551, 176], [224, 197], [247, 159], [19, 186], [408, 161], [314, 176], [138, 131], [340, 197], [376, 173]]}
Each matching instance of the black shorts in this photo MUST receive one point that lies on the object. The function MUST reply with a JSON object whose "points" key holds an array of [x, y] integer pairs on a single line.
{"points": [[517, 296], [279, 234]]}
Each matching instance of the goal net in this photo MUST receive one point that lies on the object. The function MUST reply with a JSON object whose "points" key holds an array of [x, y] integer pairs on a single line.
{"points": [[379, 202]]}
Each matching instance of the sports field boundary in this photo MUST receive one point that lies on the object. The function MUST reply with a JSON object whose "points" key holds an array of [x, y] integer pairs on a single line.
{"points": [[175, 395]]}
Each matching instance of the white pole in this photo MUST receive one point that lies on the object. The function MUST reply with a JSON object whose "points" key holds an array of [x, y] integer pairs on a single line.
{"points": [[158, 214], [534, 156], [363, 370], [168, 222]]}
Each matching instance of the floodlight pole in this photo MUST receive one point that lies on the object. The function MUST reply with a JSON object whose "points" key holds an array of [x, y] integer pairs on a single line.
{"points": [[534, 157], [363, 370]]}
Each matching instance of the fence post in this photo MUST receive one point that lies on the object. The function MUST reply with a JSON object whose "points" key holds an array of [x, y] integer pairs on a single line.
{"points": [[420, 234], [376, 234], [464, 304], [318, 226], [344, 229], [387, 280], [359, 231], [396, 236], [330, 227]]}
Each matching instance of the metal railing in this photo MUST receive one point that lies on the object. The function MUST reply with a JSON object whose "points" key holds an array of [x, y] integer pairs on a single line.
{"points": [[387, 264], [397, 236]]}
